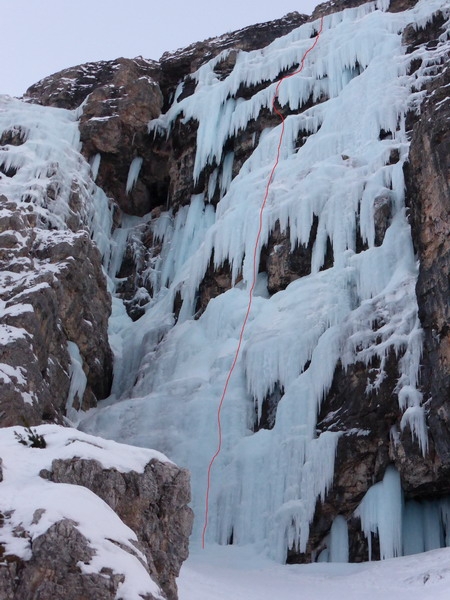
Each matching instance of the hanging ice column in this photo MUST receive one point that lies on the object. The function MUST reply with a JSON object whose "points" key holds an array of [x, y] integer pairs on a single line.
{"points": [[401, 527], [265, 485]]}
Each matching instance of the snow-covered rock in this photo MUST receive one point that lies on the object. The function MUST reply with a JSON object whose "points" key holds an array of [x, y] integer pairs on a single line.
{"points": [[52, 288], [85, 517]]}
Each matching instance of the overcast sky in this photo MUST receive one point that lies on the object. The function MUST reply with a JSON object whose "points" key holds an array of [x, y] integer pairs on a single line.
{"points": [[40, 37]]}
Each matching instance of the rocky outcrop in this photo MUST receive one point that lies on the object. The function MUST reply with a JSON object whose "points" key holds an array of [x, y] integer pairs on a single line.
{"points": [[153, 504], [117, 98], [53, 296], [113, 125], [333, 6], [83, 529], [428, 193], [53, 292], [70, 88], [53, 572], [363, 452]]}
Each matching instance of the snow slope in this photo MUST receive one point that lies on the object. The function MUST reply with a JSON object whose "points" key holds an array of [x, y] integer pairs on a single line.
{"points": [[223, 573]]}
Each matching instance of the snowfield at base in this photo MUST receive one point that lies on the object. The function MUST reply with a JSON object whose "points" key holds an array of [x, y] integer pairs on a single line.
{"points": [[23, 492], [233, 573]]}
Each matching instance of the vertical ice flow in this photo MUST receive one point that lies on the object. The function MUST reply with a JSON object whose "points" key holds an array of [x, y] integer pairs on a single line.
{"points": [[266, 482]]}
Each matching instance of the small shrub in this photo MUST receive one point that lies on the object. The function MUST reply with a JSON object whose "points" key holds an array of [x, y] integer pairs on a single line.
{"points": [[33, 439]]}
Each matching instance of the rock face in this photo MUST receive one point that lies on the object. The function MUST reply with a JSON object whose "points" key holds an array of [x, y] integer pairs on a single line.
{"points": [[363, 451], [429, 200], [53, 290], [44, 307], [118, 100], [328, 8]]}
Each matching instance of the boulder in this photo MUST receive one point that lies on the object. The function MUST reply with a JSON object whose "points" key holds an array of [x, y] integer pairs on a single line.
{"points": [[82, 517], [152, 503]]}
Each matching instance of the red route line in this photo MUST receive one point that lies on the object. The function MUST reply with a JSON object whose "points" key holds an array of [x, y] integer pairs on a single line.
{"points": [[255, 275]]}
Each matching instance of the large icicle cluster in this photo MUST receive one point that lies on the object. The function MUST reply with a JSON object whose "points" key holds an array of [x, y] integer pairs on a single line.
{"points": [[169, 377], [402, 527]]}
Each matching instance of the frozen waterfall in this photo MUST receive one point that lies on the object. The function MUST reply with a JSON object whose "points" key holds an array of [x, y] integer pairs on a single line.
{"points": [[170, 373]]}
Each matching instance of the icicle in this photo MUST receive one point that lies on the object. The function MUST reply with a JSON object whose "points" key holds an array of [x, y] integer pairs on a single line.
{"points": [[413, 529], [383, 4], [414, 418], [212, 184], [339, 540], [78, 383], [227, 173], [381, 513], [133, 173], [425, 525], [95, 165]]}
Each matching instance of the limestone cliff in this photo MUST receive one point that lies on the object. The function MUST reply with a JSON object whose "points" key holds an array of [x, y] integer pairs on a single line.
{"points": [[383, 397]]}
